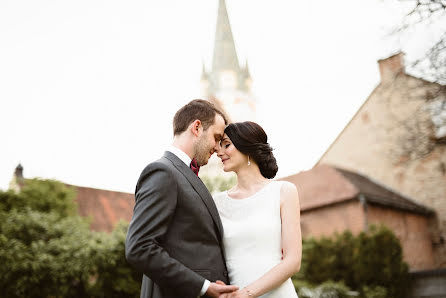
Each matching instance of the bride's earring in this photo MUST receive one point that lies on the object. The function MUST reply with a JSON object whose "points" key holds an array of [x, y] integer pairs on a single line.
{"points": [[249, 163]]}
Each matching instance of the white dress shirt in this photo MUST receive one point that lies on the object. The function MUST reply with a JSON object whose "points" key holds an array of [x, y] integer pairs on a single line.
{"points": [[187, 160]]}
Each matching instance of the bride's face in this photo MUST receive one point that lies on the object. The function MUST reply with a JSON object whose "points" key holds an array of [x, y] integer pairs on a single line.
{"points": [[231, 158]]}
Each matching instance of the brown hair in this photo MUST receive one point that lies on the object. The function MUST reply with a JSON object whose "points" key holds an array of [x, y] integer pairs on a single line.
{"points": [[197, 109], [250, 139]]}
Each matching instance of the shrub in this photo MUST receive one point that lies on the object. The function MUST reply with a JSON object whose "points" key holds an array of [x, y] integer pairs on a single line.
{"points": [[371, 262], [218, 183], [327, 289], [374, 292], [48, 250]]}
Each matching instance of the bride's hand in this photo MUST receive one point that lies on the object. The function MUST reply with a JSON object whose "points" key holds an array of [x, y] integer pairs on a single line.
{"points": [[243, 293]]}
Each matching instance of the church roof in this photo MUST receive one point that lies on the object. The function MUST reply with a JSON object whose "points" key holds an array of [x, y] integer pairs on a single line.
{"points": [[325, 185]]}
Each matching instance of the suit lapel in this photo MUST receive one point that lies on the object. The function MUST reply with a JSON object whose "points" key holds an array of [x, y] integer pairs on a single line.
{"points": [[199, 187]]}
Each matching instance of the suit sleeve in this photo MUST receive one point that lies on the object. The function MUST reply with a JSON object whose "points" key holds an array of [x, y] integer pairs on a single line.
{"points": [[156, 199]]}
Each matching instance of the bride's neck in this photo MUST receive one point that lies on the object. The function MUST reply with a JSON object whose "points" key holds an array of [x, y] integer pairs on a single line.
{"points": [[249, 177]]}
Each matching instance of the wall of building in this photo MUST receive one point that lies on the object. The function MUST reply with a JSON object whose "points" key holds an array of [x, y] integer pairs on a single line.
{"points": [[328, 220], [411, 229], [413, 232]]}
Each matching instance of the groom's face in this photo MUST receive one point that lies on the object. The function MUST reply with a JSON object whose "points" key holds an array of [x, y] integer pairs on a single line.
{"points": [[209, 140]]}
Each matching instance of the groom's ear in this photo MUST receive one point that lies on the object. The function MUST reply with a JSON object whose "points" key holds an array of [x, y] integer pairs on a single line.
{"points": [[196, 127]]}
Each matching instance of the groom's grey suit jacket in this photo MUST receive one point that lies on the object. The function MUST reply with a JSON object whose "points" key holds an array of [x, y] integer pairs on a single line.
{"points": [[175, 236]]}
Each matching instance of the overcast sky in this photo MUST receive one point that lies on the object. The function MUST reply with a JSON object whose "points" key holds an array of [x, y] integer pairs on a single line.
{"points": [[88, 89]]}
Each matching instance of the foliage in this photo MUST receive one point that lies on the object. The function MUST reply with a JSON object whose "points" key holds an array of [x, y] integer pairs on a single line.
{"points": [[380, 261], [218, 183], [327, 289], [43, 255], [115, 278], [371, 260], [41, 195], [47, 250], [374, 292], [328, 259]]}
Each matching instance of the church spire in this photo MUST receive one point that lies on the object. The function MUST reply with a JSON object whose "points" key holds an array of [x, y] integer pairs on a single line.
{"points": [[225, 56]]}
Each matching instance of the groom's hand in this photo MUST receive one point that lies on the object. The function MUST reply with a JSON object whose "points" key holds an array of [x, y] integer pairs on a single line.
{"points": [[218, 288]]}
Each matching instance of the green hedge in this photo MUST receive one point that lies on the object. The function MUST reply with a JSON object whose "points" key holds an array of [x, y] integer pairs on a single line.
{"points": [[371, 262], [47, 250]]}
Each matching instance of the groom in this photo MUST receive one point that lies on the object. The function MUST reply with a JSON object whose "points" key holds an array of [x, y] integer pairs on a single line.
{"points": [[175, 236]]}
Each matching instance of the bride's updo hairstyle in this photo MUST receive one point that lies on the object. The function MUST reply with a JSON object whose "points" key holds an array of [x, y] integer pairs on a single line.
{"points": [[250, 139]]}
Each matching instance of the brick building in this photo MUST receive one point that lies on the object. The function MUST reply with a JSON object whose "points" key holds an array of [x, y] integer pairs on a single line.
{"points": [[333, 200], [398, 137]]}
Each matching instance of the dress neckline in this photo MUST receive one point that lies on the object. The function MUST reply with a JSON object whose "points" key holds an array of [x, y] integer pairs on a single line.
{"points": [[251, 196]]}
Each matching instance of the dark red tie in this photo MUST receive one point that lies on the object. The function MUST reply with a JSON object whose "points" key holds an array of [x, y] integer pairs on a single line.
{"points": [[194, 166]]}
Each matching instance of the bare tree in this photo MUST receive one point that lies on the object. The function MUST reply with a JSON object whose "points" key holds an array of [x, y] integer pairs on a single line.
{"points": [[430, 14], [418, 133], [411, 132]]}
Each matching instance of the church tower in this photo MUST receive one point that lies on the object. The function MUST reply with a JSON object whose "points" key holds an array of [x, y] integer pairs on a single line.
{"points": [[227, 84]]}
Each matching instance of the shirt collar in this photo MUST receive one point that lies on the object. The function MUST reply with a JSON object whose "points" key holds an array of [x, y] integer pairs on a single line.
{"points": [[180, 154]]}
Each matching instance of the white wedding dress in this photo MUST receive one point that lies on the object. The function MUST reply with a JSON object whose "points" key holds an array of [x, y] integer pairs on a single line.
{"points": [[252, 237]]}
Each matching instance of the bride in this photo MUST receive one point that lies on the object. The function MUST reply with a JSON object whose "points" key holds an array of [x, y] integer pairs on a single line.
{"points": [[261, 221]]}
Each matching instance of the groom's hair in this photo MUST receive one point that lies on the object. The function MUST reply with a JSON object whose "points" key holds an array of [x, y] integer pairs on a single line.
{"points": [[197, 109]]}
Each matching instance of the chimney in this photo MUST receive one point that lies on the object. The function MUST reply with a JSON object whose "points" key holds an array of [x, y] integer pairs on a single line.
{"points": [[391, 67]]}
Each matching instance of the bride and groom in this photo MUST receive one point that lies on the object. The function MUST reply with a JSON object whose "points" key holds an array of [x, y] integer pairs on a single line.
{"points": [[244, 242]]}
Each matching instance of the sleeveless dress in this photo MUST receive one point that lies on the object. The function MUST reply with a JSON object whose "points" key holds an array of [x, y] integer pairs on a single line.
{"points": [[253, 236]]}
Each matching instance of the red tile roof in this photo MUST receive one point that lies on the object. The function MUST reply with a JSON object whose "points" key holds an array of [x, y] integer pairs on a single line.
{"points": [[325, 185], [321, 186], [378, 193], [104, 207]]}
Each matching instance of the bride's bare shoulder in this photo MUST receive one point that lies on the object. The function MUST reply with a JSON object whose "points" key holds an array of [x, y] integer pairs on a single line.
{"points": [[288, 191], [288, 187]]}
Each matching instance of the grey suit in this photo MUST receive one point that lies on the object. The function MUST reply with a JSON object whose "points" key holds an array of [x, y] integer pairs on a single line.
{"points": [[175, 236]]}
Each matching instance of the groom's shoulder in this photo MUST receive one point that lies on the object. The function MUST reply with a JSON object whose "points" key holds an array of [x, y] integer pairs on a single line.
{"points": [[158, 168], [160, 164]]}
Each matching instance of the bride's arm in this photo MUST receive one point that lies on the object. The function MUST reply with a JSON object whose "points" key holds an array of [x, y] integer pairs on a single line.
{"points": [[291, 244]]}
